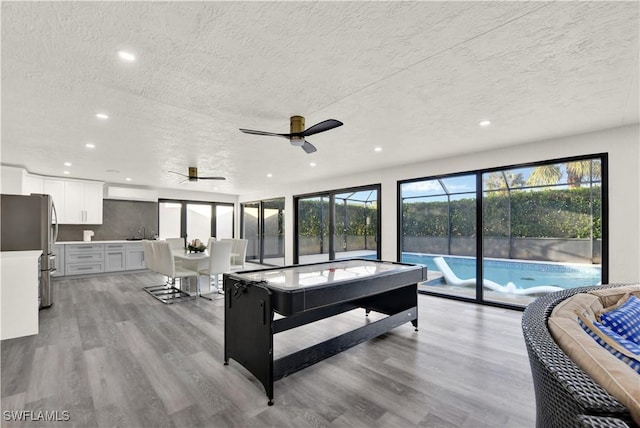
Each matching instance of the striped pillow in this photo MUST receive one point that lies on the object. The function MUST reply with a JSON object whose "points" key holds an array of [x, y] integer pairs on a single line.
{"points": [[625, 320], [623, 349]]}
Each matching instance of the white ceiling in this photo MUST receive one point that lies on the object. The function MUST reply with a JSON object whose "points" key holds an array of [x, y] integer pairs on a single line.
{"points": [[414, 78]]}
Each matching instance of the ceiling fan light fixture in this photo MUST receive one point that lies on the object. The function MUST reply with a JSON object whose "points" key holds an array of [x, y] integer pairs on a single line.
{"points": [[297, 141], [298, 134]]}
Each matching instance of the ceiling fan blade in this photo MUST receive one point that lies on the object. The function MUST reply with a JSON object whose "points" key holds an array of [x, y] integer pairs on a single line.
{"points": [[211, 178], [325, 125], [173, 172], [308, 147], [271, 134]]}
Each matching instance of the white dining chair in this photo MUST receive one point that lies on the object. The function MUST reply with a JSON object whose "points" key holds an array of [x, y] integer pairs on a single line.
{"points": [[164, 263], [219, 262], [148, 254], [240, 250], [177, 245]]}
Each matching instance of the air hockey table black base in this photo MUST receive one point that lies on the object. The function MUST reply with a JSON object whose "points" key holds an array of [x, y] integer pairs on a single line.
{"points": [[250, 324]]}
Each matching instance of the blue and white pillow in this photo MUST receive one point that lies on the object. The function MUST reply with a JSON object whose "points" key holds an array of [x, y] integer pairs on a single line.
{"points": [[623, 349], [625, 320]]}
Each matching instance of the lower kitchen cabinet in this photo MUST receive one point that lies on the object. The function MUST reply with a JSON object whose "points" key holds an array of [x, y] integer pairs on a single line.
{"points": [[95, 257], [114, 257], [134, 257], [83, 259]]}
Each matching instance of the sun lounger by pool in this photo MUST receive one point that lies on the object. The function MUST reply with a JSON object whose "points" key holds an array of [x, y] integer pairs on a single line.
{"points": [[452, 279]]}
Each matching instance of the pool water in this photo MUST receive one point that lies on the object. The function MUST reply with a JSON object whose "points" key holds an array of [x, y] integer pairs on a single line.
{"points": [[522, 274]]}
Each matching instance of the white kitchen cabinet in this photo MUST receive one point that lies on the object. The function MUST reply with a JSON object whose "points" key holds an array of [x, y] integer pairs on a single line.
{"points": [[18, 293], [82, 202], [31, 184], [55, 188]]}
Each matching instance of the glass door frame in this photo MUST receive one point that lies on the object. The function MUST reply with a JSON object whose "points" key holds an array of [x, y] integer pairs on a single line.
{"points": [[479, 297], [331, 196], [183, 213], [261, 206]]}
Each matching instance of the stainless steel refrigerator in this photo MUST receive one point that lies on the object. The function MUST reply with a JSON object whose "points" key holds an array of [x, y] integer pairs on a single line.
{"points": [[29, 222]]}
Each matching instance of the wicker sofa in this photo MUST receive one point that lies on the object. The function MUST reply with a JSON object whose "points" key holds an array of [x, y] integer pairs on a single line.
{"points": [[565, 395]]}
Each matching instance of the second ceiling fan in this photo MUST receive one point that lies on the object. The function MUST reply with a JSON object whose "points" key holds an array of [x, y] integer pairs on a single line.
{"points": [[193, 175], [297, 133]]}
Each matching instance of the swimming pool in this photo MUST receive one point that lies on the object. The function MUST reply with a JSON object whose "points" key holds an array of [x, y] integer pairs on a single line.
{"points": [[523, 274]]}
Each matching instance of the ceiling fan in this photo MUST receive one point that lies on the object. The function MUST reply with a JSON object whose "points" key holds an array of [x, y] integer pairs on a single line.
{"points": [[193, 175], [297, 133]]}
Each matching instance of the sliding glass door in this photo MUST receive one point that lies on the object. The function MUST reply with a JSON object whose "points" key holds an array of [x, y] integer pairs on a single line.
{"points": [[250, 230], [199, 222], [263, 227], [273, 232], [547, 218], [313, 229], [535, 229], [338, 224], [170, 219], [195, 220], [224, 221], [439, 230]]}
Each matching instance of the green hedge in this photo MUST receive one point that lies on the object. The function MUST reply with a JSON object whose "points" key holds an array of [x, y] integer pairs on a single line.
{"points": [[562, 213], [313, 219]]}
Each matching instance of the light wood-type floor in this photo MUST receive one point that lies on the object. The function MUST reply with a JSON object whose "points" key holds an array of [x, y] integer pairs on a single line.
{"points": [[111, 355]]}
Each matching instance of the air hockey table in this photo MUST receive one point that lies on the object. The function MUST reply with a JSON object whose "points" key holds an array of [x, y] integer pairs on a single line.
{"points": [[302, 294]]}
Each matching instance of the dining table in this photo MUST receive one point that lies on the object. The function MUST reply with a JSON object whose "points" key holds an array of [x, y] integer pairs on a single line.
{"points": [[198, 261]]}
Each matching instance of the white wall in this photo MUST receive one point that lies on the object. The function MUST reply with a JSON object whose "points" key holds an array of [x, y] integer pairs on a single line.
{"points": [[622, 144]]}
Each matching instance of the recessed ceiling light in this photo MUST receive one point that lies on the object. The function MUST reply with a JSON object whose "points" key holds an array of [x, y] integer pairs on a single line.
{"points": [[377, 149], [66, 172], [269, 175], [90, 146], [128, 178], [312, 164], [485, 123], [126, 56], [67, 164], [102, 116]]}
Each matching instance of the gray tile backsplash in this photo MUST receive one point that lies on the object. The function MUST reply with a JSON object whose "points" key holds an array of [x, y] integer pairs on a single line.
{"points": [[120, 220]]}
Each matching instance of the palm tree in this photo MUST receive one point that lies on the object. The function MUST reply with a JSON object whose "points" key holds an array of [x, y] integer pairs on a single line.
{"points": [[496, 181], [577, 172], [545, 174]]}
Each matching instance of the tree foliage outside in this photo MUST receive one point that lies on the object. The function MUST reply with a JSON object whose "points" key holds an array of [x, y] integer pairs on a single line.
{"points": [[551, 213], [577, 172], [313, 218]]}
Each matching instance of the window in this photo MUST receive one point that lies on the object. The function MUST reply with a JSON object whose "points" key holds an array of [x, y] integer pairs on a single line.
{"points": [[195, 220], [543, 229], [338, 224], [263, 227]]}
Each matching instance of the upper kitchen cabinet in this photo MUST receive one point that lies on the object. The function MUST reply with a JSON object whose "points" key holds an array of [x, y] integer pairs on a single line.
{"points": [[82, 202], [55, 188], [31, 184]]}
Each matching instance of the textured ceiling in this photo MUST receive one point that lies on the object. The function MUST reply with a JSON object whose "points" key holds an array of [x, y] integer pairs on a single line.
{"points": [[414, 78]]}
